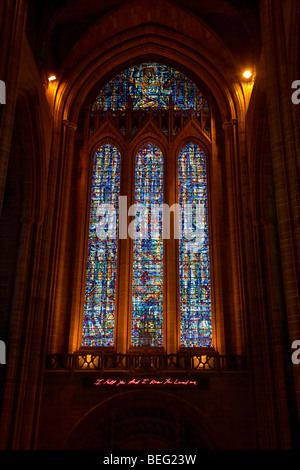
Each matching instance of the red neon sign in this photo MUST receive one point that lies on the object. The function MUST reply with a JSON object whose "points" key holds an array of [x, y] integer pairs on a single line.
{"points": [[145, 381]]}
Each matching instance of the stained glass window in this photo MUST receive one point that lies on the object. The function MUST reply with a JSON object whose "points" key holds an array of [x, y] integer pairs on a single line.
{"points": [[100, 293], [147, 280], [194, 261], [150, 85]]}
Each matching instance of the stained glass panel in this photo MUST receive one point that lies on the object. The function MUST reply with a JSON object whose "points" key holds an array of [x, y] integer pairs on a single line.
{"points": [[150, 85], [194, 262], [147, 280], [100, 293]]}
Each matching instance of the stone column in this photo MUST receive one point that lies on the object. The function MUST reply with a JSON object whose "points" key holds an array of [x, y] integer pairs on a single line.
{"points": [[233, 315], [277, 334], [285, 161], [267, 338], [63, 256], [12, 25], [216, 225], [17, 366]]}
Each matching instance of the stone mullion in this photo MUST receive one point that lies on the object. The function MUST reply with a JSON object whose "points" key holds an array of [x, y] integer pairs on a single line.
{"points": [[122, 323], [171, 253], [12, 26], [284, 159]]}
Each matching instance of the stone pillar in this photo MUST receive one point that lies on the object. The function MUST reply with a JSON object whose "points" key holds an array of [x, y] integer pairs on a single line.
{"points": [[17, 367], [216, 226], [233, 310], [267, 337], [63, 256], [284, 139], [277, 334], [12, 25]]}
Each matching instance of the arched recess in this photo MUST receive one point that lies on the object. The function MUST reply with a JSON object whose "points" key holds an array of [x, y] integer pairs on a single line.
{"points": [[143, 420], [227, 103], [126, 39]]}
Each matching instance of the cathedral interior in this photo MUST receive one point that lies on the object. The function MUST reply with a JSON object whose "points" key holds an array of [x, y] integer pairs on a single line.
{"points": [[113, 338]]}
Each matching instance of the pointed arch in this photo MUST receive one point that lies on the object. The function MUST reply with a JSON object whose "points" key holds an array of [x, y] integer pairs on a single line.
{"points": [[147, 268], [194, 256], [101, 271]]}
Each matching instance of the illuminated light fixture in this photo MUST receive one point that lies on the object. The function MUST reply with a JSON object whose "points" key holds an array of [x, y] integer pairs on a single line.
{"points": [[52, 78], [247, 74]]}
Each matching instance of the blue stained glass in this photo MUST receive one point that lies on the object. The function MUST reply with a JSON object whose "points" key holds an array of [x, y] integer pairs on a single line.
{"points": [[150, 85], [100, 293], [194, 262], [147, 280]]}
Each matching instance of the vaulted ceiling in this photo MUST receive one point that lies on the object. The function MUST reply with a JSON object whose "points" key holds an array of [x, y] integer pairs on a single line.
{"points": [[54, 26]]}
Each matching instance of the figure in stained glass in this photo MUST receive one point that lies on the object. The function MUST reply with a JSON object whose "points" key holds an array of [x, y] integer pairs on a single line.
{"points": [[100, 293], [147, 280], [150, 85], [194, 262]]}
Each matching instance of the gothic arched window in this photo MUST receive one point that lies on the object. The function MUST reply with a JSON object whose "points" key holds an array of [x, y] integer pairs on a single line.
{"points": [[194, 265], [164, 96], [100, 292], [147, 264]]}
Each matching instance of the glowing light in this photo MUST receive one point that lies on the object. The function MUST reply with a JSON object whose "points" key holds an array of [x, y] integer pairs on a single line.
{"points": [[247, 74], [52, 78], [150, 85], [194, 262], [115, 382], [147, 282], [146, 86], [99, 313]]}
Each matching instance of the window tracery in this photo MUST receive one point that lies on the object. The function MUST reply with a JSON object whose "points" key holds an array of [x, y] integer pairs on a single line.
{"points": [[149, 88]]}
